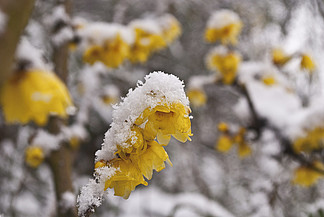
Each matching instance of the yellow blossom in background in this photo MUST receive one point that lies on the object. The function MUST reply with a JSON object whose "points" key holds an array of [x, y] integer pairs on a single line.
{"points": [[224, 143], [109, 99], [93, 54], [74, 142], [244, 150], [33, 96], [313, 140], [226, 63], [279, 58], [197, 97], [224, 26], [34, 156], [112, 53], [306, 176], [145, 43], [222, 127], [165, 120], [269, 80], [307, 63], [171, 28]]}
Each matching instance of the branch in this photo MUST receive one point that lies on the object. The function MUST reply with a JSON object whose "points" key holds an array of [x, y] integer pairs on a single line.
{"points": [[17, 14]]}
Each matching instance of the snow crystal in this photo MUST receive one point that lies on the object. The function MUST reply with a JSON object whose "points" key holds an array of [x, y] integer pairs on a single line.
{"points": [[222, 18], [75, 130], [158, 86], [92, 193], [3, 22], [67, 200]]}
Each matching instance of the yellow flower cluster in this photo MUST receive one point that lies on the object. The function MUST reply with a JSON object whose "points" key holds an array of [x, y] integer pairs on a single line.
{"points": [[33, 96], [197, 97], [225, 62], [306, 176], [224, 26], [149, 36], [141, 154], [227, 140], [313, 140], [34, 156]]}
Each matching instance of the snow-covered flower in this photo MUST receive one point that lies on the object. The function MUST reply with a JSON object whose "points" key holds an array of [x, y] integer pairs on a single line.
{"points": [[225, 26], [108, 43], [225, 62], [142, 124], [34, 95], [171, 28], [148, 38]]}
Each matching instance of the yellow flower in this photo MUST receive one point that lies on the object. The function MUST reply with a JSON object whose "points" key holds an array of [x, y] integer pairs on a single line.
{"points": [[226, 64], [74, 142], [33, 96], [171, 28], [227, 34], [145, 44], [222, 127], [93, 54], [307, 63], [224, 25], [244, 150], [112, 53], [279, 58], [165, 120], [269, 80], [153, 158], [306, 176], [109, 99], [127, 177], [313, 140], [197, 97], [34, 156], [224, 143]]}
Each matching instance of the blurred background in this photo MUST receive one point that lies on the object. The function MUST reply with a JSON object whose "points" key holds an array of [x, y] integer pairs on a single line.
{"points": [[257, 144]]}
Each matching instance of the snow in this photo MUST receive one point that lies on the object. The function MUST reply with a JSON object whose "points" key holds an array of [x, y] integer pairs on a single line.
{"points": [[26, 51], [158, 87], [3, 22], [158, 203], [67, 200], [98, 32], [222, 18], [48, 142], [148, 25], [92, 193]]}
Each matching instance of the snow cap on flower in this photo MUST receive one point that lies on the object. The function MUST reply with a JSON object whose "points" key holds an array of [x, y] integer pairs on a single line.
{"points": [[223, 25]]}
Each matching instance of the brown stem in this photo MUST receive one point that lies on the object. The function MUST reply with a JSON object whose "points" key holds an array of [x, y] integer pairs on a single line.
{"points": [[17, 14], [61, 160]]}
